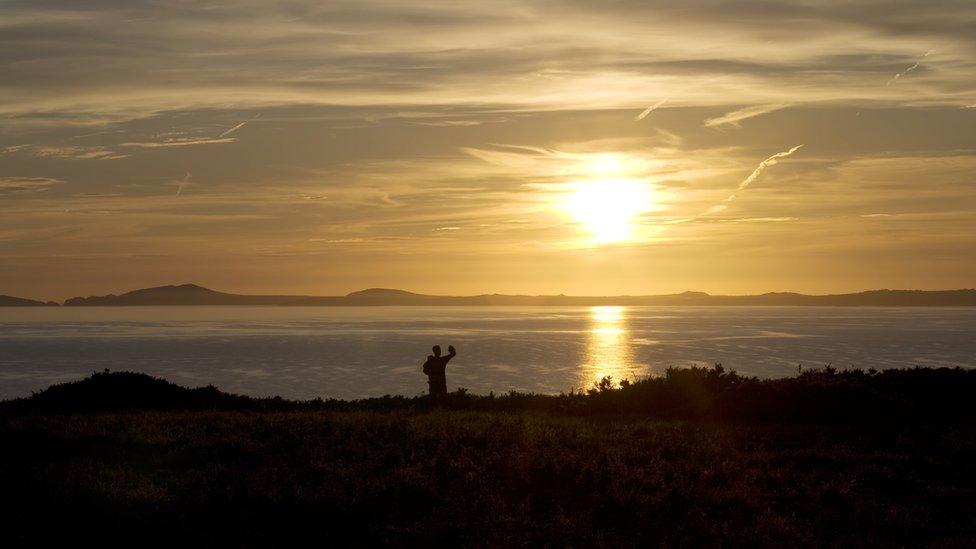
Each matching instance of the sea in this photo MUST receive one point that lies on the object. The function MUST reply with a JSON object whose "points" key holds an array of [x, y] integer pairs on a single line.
{"points": [[354, 352]]}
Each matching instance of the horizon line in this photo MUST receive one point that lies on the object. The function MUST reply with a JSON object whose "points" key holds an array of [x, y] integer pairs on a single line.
{"points": [[483, 294]]}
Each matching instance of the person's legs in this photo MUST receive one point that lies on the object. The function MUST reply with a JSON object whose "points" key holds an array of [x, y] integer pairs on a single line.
{"points": [[437, 383]]}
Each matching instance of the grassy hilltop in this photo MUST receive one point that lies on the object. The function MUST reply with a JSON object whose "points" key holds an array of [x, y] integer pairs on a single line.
{"points": [[696, 457]]}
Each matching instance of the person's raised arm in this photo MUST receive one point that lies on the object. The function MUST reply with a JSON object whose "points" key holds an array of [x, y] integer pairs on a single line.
{"points": [[451, 353]]}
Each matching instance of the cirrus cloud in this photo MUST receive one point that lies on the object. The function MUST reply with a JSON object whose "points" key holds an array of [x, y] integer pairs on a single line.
{"points": [[11, 185]]}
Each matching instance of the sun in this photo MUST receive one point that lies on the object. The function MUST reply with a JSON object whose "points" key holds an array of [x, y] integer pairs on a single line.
{"points": [[607, 208], [607, 195]]}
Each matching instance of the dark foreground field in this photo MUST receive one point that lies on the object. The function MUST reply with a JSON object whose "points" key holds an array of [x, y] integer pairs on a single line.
{"points": [[231, 471]]}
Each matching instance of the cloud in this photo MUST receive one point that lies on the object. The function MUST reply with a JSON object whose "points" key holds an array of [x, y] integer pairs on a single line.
{"points": [[183, 183], [909, 69], [69, 153], [770, 161], [762, 219], [735, 117], [232, 130], [510, 56], [650, 109], [238, 126], [11, 185], [448, 123], [179, 142]]}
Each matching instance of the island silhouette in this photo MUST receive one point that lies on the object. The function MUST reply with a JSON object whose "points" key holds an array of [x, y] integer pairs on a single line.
{"points": [[11, 301], [193, 294]]}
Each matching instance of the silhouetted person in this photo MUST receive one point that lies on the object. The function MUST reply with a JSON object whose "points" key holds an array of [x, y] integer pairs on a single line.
{"points": [[436, 370]]}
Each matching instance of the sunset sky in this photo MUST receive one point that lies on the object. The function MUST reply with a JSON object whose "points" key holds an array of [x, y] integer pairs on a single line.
{"points": [[562, 146]]}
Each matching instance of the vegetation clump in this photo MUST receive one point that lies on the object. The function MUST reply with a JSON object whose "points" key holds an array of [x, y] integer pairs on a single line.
{"points": [[696, 457], [697, 393]]}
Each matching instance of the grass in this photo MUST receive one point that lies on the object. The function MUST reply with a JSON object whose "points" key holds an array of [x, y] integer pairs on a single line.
{"points": [[479, 471], [705, 394]]}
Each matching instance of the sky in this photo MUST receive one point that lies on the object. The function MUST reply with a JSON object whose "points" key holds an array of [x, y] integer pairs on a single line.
{"points": [[515, 146]]}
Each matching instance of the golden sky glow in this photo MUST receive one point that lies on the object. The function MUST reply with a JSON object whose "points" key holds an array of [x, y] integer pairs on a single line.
{"points": [[512, 146]]}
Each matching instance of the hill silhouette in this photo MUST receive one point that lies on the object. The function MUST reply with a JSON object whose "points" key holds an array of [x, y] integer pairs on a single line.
{"points": [[715, 394], [11, 301], [183, 294], [192, 294], [117, 391]]}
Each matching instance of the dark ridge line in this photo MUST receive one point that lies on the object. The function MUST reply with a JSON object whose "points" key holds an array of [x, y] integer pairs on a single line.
{"points": [[193, 294]]}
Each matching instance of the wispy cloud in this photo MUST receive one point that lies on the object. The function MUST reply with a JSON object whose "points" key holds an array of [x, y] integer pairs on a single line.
{"points": [[762, 219], [93, 134], [238, 126], [381, 53], [11, 185], [909, 69], [734, 118], [771, 161], [650, 109], [232, 130], [70, 153], [448, 123], [179, 142], [183, 182]]}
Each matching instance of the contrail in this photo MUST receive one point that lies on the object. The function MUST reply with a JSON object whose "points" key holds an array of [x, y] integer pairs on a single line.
{"points": [[771, 161], [650, 109], [232, 130], [735, 117], [909, 69], [179, 189], [237, 127]]}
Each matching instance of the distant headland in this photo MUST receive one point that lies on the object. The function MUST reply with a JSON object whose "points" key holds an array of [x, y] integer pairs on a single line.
{"points": [[11, 301], [192, 294]]}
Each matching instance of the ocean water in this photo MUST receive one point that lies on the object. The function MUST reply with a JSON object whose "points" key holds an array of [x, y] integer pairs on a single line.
{"points": [[348, 352]]}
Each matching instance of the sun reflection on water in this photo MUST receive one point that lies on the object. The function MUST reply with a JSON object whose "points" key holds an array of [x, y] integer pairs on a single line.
{"points": [[608, 348]]}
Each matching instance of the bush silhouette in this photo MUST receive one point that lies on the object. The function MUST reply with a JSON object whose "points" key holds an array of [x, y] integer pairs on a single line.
{"points": [[696, 393]]}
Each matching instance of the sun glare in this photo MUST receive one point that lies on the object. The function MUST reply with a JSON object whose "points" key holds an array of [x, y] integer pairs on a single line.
{"points": [[607, 207], [609, 197], [608, 351]]}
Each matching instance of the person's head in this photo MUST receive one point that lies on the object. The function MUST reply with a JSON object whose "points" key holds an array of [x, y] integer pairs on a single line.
{"points": [[437, 350]]}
